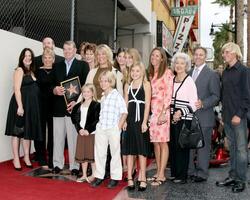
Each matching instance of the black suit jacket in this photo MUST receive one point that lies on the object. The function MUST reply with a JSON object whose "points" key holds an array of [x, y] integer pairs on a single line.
{"points": [[58, 74], [92, 116]]}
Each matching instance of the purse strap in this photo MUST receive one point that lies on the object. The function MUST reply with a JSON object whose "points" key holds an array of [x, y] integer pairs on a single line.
{"points": [[178, 89]]}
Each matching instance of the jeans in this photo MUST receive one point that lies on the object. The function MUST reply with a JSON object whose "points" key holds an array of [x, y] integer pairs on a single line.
{"points": [[237, 140]]}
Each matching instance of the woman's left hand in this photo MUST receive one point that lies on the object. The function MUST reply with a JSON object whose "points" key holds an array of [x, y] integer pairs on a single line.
{"points": [[162, 118]]}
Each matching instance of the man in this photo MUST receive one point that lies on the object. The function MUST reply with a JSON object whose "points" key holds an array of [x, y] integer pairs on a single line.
{"points": [[47, 43], [235, 104], [208, 87], [64, 70]]}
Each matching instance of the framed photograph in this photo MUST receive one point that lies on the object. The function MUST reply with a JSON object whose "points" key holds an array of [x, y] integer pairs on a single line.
{"points": [[72, 89]]}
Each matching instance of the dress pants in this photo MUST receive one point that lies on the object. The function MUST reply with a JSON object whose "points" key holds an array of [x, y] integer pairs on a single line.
{"points": [[202, 156], [63, 126], [179, 158], [103, 138]]}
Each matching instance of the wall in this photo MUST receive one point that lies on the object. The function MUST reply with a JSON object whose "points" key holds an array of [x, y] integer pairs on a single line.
{"points": [[11, 46]]}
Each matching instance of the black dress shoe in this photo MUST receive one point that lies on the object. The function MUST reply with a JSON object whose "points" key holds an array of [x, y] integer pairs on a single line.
{"points": [[199, 179], [56, 170], [112, 183], [192, 177], [180, 181], [227, 182], [74, 172], [96, 182], [132, 186], [238, 187]]}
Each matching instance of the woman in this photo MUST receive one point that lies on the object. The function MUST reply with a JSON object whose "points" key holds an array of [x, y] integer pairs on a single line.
{"points": [[89, 54], [182, 107], [120, 63], [161, 79], [24, 109], [137, 142], [104, 57], [43, 79], [85, 116], [81, 50]]}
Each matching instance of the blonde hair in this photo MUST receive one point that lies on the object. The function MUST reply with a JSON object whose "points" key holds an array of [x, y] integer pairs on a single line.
{"points": [[48, 51], [143, 70], [92, 88], [233, 48], [134, 53], [110, 76], [108, 52]]}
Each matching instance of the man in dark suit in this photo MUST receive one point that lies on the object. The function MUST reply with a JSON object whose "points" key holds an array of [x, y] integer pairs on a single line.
{"points": [[47, 43], [208, 87], [64, 70]]}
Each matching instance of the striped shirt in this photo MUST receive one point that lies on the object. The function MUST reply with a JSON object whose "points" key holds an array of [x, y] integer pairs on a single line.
{"points": [[185, 98]]}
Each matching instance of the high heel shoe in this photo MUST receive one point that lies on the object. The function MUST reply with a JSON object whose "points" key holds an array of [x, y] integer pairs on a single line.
{"points": [[18, 168], [142, 188], [131, 187], [29, 166]]}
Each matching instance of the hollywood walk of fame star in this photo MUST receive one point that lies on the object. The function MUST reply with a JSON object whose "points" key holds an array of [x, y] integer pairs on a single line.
{"points": [[72, 89]]}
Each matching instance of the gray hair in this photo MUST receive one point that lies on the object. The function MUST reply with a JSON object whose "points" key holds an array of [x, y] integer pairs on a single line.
{"points": [[184, 57]]}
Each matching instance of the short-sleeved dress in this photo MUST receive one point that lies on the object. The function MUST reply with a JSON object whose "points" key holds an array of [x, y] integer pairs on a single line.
{"points": [[136, 142], [162, 89], [31, 105]]}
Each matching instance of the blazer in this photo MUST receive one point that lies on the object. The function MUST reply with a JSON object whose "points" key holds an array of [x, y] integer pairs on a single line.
{"points": [[92, 116], [78, 68], [208, 89]]}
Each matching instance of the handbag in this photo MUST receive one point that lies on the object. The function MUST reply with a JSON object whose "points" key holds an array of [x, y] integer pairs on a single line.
{"points": [[191, 138], [19, 126]]}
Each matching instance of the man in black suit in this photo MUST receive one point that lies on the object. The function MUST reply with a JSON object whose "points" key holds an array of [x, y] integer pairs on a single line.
{"points": [[64, 70], [47, 43]]}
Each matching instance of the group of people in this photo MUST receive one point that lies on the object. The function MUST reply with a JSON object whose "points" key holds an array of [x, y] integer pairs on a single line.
{"points": [[122, 108]]}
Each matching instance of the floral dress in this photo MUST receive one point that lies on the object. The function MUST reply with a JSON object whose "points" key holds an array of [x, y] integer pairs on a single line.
{"points": [[161, 96]]}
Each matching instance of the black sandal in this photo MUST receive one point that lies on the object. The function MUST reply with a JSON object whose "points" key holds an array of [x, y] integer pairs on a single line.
{"points": [[131, 187], [142, 188]]}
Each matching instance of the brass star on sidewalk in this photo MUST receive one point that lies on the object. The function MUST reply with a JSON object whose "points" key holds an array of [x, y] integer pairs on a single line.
{"points": [[72, 89]]}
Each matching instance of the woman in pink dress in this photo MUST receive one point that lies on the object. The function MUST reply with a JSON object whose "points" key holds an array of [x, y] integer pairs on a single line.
{"points": [[161, 78]]}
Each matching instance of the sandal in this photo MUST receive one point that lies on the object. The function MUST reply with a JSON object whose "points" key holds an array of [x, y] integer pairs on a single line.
{"points": [[158, 182], [153, 178], [81, 179], [142, 188], [132, 186], [90, 179]]}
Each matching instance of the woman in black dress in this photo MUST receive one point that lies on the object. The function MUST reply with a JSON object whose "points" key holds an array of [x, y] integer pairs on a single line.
{"points": [[24, 111], [44, 83], [137, 141]]}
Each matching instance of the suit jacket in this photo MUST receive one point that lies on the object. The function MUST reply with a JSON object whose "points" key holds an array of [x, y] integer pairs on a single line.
{"points": [[92, 116], [58, 74], [208, 88]]}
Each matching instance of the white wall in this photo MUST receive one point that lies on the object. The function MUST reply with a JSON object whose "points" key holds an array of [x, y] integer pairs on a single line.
{"points": [[143, 7], [11, 46]]}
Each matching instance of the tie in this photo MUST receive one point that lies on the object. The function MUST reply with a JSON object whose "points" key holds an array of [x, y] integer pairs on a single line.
{"points": [[195, 73]]}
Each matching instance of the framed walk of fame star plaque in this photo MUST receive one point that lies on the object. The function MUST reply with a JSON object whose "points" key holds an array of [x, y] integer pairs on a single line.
{"points": [[72, 89]]}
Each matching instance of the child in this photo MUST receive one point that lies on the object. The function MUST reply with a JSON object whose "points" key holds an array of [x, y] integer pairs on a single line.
{"points": [[112, 117], [85, 116], [137, 142]]}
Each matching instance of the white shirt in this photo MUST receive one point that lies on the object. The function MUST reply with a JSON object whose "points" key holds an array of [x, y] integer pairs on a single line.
{"points": [[68, 64], [84, 111], [112, 107], [198, 69]]}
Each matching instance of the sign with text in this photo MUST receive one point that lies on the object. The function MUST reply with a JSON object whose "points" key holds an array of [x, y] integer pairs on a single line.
{"points": [[184, 11], [182, 31]]}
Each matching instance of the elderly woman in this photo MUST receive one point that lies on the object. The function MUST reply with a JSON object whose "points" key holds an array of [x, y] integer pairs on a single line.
{"points": [[182, 107], [43, 78], [104, 57]]}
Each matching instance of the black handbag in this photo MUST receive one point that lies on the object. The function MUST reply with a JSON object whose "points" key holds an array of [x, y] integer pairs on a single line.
{"points": [[19, 126], [191, 138]]}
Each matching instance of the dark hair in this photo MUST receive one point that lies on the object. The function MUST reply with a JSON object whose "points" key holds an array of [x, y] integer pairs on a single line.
{"points": [[83, 44], [163, 65], [90, 47], [116, 64], [202, 48], [21, 64]]}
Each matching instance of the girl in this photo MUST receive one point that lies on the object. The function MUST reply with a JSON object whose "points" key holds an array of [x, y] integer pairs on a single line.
{"points": [[137, 97], [85, 116]]}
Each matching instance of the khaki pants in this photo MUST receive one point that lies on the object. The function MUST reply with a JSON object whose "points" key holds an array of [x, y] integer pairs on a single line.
{"points": [[103, 138]]}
